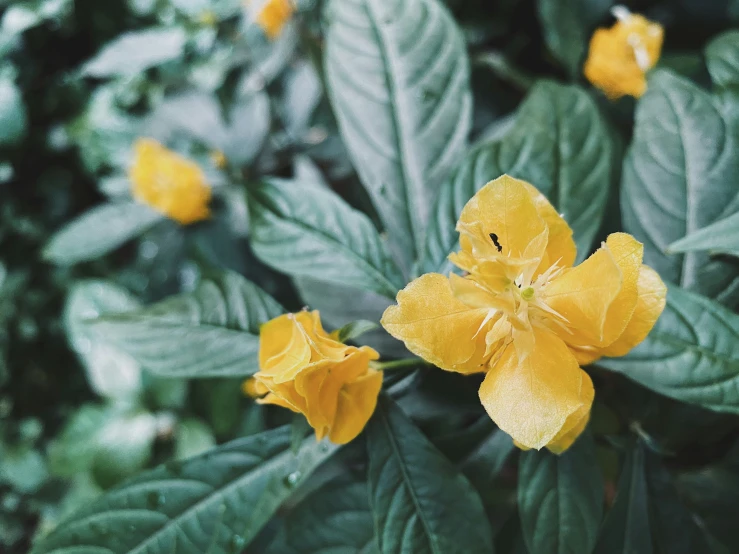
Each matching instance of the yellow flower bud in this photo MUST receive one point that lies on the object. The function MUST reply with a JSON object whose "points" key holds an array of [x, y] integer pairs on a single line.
{"points": [[169, 183], [307, 371], [274, 15], [620, 57]]}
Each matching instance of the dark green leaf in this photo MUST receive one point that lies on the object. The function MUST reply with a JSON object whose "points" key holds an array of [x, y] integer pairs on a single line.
{"points": [[137, 51], [420, 501], [560, 499], [722, 59], [211, 332], [626, 529], [721, 237], [676, 181], [98, 231], [692, 354], [192, 437], [356, 329], [398, 79], [13, 117], [215, 502], [559, 143], [307, 230], [335, 519]]}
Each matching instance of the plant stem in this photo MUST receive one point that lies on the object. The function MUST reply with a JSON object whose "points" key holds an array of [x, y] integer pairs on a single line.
{"points": [[408, 363]]}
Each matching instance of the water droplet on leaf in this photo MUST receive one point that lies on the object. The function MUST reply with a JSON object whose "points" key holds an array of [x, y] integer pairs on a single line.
{"points": [[292, 479], [237, 544]]}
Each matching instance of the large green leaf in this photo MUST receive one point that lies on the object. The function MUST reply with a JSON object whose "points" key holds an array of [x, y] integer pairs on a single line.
{"points": [[722, 59], [398, 80], [335, 519], [559, 143], [216, 502], [680, 176], [98, 231], [309, 231], [568, 26], [420, 501], [560, 499], [211, 332], [13, 114], [721, 237], [692, 354]]}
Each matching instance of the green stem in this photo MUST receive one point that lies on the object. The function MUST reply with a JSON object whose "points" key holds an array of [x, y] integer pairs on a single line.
{"points": [[408, 363]]}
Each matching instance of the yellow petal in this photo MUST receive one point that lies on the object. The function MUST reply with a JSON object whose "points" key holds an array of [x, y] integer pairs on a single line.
{"points": [[532, 400], [561, 247], [357, 402], [282, 394], [577, 421], [501, 219], [274, 15], [652, 294], [283, 348], [436, 326], [323, 345], [583, 295], [253, 387]]}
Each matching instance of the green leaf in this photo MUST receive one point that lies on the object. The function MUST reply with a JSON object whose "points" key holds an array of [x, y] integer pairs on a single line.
{"points": [[398, 79], [335, 519], [675, 181], [720, 237], [420, 501], [137, 51], [691, 355], [23, 468], [215, 502], [192, 437], [626, 528], [560, 499], [110, 372], [568, 26], [98, 231], [211, 332], [356, 329], [309, 231], [722, 59], [13, 116], [559, 143]]}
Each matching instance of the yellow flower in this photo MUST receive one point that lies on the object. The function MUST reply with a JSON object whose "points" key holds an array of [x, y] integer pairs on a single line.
{"points": [[169, 183], [620, 57], [274, 15], [303, 368], [524, 316]]}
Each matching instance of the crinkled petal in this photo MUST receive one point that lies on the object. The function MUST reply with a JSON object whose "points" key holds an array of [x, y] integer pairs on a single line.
{"points": [[561, 247], [577, 421], [652, 294], [357, 402], [628, 253], [583, 295], [323, 346], [532, 400], [283, 348], [282, 394], [437, 326], [502, 220]]}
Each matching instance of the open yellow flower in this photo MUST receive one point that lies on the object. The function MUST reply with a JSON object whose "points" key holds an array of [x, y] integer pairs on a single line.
{"points": [[274, 15], [620, 57], [169, 183], [303, 368], [524, 316]]}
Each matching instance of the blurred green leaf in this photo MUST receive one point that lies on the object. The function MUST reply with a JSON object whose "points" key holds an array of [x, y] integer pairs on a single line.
{"points": [[13, 116], [722, 59], [691, 355], [137, 51], [561, 499], [720, 237], [218, 500], [676, 182], [99, 231], [73, 451], [559, 143], [420, 501], [406, 127], [356, 329], [110, 372], [213, 331], [307, 230], [192, 437], [23, 468], [335, 519]]}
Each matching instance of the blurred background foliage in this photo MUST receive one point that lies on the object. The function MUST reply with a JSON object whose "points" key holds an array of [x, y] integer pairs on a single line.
{"points": [[80, 80]]}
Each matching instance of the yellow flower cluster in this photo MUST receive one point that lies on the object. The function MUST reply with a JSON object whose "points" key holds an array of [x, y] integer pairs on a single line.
{"points": [[303, 368], [169, 183], [274, 15], [620, 57], [524, 316]]}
